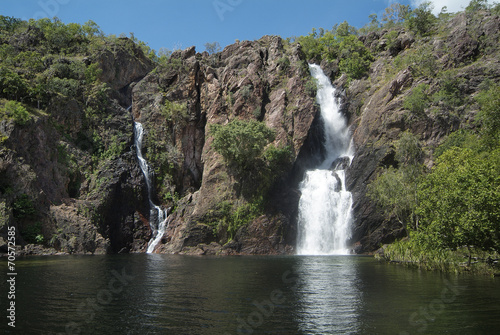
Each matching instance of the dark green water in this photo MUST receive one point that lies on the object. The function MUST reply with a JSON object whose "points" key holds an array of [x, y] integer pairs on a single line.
{"points": [[159, 294]]}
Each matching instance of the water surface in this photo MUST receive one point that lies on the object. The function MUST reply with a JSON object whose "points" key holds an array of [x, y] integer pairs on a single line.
{"points": [[165, 294]]}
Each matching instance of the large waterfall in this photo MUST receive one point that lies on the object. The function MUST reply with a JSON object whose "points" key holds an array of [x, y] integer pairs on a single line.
{"points": [[157, 216], [325, 204]]}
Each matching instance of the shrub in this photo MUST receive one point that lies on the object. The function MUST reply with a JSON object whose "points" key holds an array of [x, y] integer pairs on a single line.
{"points": [[227, 218], [458, 200], [418, 100], [489, 115], [174, 111], [311, 86], [421, 20], [213, 47], [32, 233], [23, 207], [421, 62], [450, 93], [283, 63], [395, 190], [241, 142], [16, 111]]}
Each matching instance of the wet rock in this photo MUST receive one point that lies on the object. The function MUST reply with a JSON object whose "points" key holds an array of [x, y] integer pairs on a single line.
{"points": [[341, 163]]}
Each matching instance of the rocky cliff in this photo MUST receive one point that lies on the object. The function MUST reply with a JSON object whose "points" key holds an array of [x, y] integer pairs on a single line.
{"points": [[69, 176], [261, 80], [453, 64]]}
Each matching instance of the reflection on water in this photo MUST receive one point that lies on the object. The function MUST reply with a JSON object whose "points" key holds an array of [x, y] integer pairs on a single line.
{"points": [[161, 294], [328, 296]]}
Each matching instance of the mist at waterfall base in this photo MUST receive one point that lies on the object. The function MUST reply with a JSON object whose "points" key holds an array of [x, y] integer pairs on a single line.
{"points": [[158, 216], [325, 204]]}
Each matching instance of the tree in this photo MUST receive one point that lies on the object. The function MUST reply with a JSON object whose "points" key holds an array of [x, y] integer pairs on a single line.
{"points": [[396, 13], [458, 200], [489, 116], [355, 58], [241, 142], [373, 25], [477, 5], [213, 47], [418, 100], [245, 147], [395, 190], [92, 29], [9, 24], [421, 20], [16, 111], [343, 30]]}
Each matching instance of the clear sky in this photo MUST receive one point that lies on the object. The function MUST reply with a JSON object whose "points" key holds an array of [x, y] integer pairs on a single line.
{"points": [[175, 24]]}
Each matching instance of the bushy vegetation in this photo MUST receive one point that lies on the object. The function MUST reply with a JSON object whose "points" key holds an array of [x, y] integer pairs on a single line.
{"points": [[395, 189], [245, 147], [227, 218], [51, 72], [452, 211], [341, 45], [23, 207], [418, 100], [241, 142], [16, 111]]}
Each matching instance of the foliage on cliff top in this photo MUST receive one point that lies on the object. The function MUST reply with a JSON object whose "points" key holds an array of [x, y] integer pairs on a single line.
{"points": [[339, 44]]}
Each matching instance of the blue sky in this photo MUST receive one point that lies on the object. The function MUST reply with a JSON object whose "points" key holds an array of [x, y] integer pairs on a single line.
{"points": [[183, 23]]}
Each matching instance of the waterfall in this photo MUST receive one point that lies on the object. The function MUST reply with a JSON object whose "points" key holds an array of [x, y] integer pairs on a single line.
{"points": [[158, 217], [325, 203]]}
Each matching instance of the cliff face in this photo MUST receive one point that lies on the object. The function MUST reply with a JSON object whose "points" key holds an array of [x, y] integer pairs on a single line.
{"points": [[69, 175], [458, 60], [261, 80], [70, 179]]}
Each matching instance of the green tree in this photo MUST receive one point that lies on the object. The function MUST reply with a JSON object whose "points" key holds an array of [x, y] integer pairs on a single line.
{"points": [[395, 190], [451, 90], [16, 111], [477, 5], [91, 29], [23, 207], [12, 85], [458, 200], [395, 14], [343, 30], [421, 20], [213, 47], [241, 143], [489, 115], [9, 24], [355, 58], [418, 100], [373, 25]]}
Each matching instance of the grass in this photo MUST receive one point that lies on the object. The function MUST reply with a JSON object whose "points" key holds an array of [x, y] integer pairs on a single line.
{"points": [[409, 253]]}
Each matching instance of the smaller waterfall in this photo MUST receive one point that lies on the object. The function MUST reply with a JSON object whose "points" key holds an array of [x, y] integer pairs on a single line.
{"points": [[158, 217]]}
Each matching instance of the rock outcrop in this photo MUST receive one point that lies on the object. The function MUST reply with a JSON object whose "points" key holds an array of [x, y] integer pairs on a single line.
{"points": [[260, 80], [375, 108], [71, 183]]}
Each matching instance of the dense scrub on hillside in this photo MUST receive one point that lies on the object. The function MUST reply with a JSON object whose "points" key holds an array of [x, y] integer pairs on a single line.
{"points": [[62, 107]]}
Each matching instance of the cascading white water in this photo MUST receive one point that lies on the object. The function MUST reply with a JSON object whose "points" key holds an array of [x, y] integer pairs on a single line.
{"points": [[325, 204], [158, 217]]}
